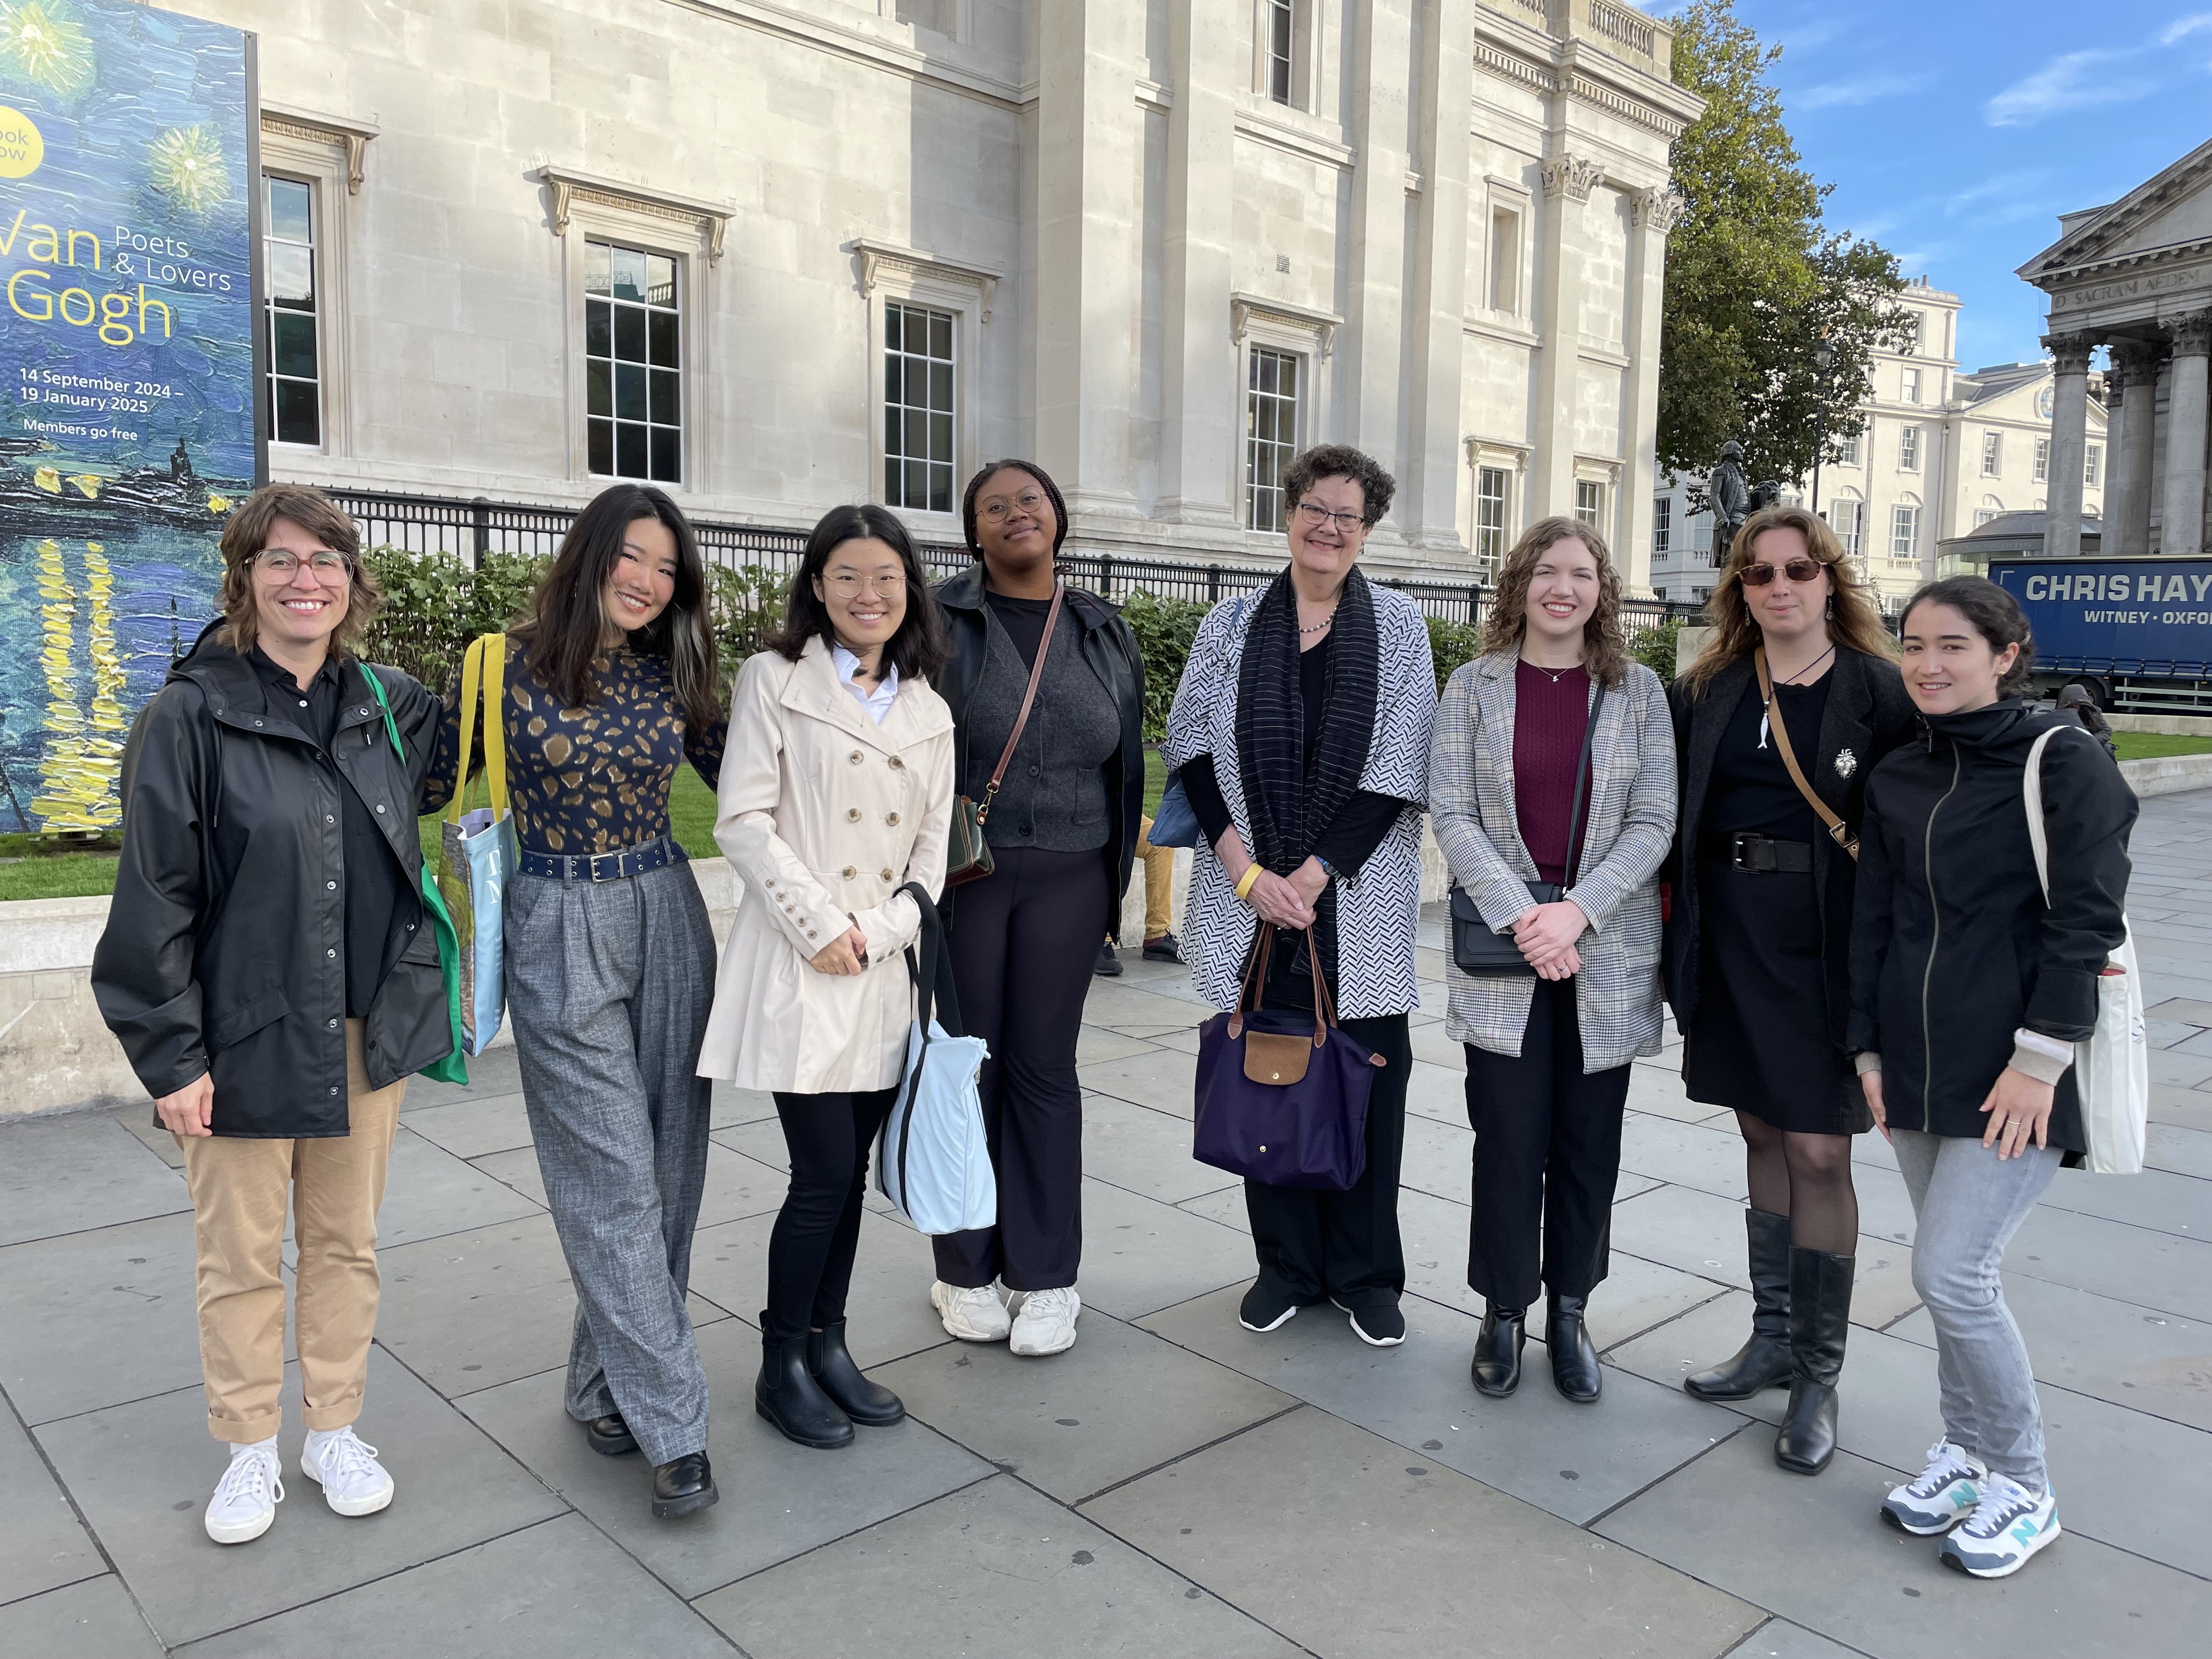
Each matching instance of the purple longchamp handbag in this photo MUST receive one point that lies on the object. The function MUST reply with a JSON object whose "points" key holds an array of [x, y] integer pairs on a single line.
{"points": [[1281, 1096]]}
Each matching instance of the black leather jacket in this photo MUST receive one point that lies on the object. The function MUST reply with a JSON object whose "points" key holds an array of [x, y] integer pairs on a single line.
{"points": [[1111, 650], [225, 948]]}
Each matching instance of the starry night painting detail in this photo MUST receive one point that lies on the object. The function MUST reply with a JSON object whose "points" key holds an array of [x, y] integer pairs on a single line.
{"points": [[127, 389]]}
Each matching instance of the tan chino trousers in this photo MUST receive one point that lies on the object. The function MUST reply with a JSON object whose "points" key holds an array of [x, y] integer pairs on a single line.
{"points": [[240, 1189], [1159, 884]]}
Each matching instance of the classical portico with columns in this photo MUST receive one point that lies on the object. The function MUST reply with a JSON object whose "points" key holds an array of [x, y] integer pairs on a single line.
{"points": [[2134, 277]]}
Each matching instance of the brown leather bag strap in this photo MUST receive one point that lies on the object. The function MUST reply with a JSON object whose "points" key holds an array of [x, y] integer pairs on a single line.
{"points": [[1256, 976], [1780, 729], [1028, 699]]}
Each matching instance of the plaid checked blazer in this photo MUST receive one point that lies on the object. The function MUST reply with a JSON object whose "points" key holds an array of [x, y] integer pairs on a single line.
{"points": [[1631, 826]]}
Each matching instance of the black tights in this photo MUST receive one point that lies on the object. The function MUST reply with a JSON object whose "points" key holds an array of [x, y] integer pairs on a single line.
{"points": [[1806, 1177], [818, 1231]]}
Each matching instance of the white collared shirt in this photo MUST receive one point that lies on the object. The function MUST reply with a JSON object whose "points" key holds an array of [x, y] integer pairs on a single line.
{"points": [[878, 701]]}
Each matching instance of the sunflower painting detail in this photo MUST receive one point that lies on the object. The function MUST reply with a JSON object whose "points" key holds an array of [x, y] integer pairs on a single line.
{"points": [[42, 43], [185, 165]]}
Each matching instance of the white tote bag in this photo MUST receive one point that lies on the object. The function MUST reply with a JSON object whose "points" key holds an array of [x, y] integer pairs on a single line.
{"points": [[2112, 1068], [933, 1159]]}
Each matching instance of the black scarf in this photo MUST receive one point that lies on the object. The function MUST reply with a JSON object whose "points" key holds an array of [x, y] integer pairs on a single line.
{"points": [[1288, 809]]}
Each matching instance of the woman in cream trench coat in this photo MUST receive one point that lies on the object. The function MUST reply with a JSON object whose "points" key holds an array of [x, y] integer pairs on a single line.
{"points": [[836, 791]]}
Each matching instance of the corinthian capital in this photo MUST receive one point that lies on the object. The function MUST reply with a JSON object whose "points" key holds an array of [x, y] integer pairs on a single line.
{"points": [[2135, 362], [2071, 351], [1660, 209], [1571, 176], [2191, 332]]}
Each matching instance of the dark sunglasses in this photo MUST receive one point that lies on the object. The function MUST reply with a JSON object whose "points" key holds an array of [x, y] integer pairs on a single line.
{"points": [[1798, 570]]}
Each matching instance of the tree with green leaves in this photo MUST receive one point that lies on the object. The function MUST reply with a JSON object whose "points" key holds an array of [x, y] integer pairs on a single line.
{"points": [[1756, 280]]}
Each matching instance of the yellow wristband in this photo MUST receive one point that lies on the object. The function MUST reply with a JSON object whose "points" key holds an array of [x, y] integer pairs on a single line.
{"points": [[1244, 882]]}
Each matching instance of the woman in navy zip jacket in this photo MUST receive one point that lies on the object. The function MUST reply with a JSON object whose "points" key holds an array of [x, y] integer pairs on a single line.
{"points": [[1969, 990]]}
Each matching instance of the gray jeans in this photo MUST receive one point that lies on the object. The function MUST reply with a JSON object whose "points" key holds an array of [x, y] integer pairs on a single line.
{"points": [[1968, 1203], [609, 985]]}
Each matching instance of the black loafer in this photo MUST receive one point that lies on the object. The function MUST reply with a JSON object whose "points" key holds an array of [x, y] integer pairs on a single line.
{"points": [[684, 1486], [610, 1435]]}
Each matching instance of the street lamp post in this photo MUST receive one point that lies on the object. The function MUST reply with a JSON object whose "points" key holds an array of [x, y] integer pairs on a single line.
{"points": [[1824, 359]]}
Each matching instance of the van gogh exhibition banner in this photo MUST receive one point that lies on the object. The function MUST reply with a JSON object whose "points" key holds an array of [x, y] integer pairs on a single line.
{"points": [[127, 387]]}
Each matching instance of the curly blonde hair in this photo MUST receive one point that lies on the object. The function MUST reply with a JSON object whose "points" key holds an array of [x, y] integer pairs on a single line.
{"points": [[1604, 654], [246, 535], [1852, 619]]}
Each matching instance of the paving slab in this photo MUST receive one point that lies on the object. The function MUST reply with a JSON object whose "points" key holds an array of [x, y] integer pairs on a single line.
{"points": [[138, 1121], [1432, 1045], [762, 1141], [472, 1127], [95, 1618], [1095, 1045], [732, 1106], [1576, 1461], [887, 1311], [494, 1073], [559, 1587], [737, 1186], [778, 1501], [1438, 1091], [1139, 1255], [69, 1174], [42, 1545], [2183, 1152], [1227, 1208], [1655, 1086], [907, 1589], [2184, 1108], [142, 1473], [1709, 1159], [1880, 1592], [1143, 1151], [1162, 1079], [1122, 1401], [1280, 1520], [1778, 1638], [2112, 1259], [1125, 1006], [2156, 1199], [92, 1319]]}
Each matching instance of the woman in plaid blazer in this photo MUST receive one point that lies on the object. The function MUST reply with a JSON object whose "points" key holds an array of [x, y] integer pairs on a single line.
{"points": [[1548, 1051]]}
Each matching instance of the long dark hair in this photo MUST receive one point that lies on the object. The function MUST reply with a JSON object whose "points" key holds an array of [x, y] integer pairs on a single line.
{"points": [[1990, 611], [919, 648], [1044, 483], [568, 613]]}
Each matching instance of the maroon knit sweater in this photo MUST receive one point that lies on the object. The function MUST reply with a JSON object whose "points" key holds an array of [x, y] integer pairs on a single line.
{"points": [[1548, 717]]}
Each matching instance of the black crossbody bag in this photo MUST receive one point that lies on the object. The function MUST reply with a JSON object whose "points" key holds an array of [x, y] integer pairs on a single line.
{"points": [[1479, 949]]}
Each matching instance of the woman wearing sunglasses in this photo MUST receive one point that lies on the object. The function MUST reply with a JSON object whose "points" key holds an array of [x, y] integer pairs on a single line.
{"points": [[1800, 669]]}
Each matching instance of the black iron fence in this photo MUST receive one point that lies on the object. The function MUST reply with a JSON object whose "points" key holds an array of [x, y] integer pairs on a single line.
{"points": [[466, 530]]}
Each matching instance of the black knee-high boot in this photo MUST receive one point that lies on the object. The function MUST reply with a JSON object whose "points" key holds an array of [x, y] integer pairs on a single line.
{"points": [[1820, 1320], [1763, 1362]]}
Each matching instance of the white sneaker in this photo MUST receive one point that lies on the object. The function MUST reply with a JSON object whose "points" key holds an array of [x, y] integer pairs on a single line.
{"points": [[246, 1497], [1046, 1323], [2007, 1526], [353, 1482], [974, 1313], [1943, 1494]]}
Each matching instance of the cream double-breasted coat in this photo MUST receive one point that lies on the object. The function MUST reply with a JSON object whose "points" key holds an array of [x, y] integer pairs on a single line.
{"points": [[824, 815]]}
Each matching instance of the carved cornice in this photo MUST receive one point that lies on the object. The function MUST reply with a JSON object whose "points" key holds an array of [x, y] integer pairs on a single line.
{"points": [[878, 259], [1572, 176], [2070, 352], [569, 188], [352, 137], [1660, 209], [2192, 333], [2089, 247], [1321, 324]]}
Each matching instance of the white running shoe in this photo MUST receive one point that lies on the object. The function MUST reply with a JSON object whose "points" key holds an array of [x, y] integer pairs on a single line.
{"points": [[246, 1497], [1941, 1496], [972, 1314], [353, 1482], [1046, 1323], [2007, 1526]]}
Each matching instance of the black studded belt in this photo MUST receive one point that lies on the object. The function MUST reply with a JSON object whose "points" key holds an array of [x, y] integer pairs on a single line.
{"points": [[655, 854]]}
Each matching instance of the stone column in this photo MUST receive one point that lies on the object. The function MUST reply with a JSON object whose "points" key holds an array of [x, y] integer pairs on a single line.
{"points": [[2069, 434], [1658, 211], [1198, 392], [1436, 314], [2132, 390], [1367, 381], [2188, 422], [1568, 181]]}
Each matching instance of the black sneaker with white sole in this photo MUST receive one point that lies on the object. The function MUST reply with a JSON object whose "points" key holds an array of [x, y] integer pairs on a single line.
{"points": [[1265, 1308], [1380, 1326]]}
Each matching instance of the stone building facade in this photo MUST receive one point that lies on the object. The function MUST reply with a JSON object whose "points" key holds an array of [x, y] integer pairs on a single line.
{"points": [[785, 255], [1942, 453]]}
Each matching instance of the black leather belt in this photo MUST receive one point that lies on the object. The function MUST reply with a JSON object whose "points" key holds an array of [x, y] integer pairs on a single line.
{"points": [[1757, 854], [655, 854]]}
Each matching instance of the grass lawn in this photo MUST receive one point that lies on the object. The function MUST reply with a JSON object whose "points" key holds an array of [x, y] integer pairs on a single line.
{"points": [[2149, 746]]}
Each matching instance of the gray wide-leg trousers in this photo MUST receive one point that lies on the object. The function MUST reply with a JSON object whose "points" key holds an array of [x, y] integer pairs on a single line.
{"points": [[609, 984]]}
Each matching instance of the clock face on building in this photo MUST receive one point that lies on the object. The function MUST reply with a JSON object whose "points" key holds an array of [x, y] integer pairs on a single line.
{"points": [[2044, 399]]}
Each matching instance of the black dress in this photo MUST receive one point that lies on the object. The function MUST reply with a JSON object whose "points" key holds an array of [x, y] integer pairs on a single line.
{"points": [[1760, 1041]]}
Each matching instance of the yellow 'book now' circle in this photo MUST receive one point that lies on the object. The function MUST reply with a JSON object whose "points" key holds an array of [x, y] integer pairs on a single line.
{"points": [[21, 146]]}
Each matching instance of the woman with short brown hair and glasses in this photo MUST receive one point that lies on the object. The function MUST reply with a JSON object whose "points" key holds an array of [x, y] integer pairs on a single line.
{"points": [[1779, 722]]}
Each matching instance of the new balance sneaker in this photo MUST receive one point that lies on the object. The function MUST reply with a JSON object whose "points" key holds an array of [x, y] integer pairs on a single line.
{"points": [[353, 1482], [2009, 1525], [974, 1313], [1941, 1496], [1046, 1321], [246, 1497], [1380, 1326], [1265, 1310]]}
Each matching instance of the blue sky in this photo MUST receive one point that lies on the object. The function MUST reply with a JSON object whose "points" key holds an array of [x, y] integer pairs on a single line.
{"points": [[1956, 133]]}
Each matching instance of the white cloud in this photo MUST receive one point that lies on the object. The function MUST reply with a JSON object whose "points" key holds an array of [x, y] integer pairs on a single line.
{"points": [[1866, 89], [2182, 27], [2072, 80]]}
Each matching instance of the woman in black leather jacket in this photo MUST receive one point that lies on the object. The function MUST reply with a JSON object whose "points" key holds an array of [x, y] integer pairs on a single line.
{"points": [[1062, 830]]}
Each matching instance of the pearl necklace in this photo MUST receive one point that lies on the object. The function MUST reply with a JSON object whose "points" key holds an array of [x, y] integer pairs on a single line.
{"points": [[1318, 626]]}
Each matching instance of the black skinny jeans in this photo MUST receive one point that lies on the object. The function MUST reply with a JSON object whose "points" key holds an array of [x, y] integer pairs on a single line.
{"points": [[1024, 939], [818, 1231], [1546, 1157]]}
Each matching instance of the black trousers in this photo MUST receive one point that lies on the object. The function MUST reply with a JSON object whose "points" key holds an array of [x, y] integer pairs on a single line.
{"points": [[818, 1231], [1547, 1156], [1024, 939], [1316, 1244]]}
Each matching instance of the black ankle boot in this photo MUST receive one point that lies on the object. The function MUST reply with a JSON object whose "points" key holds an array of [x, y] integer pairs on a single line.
{"points": [[1574, 1360], [1764, 1362], [1819, 1319], [869, 1404], [789, 1397], [1497, 1344]]}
